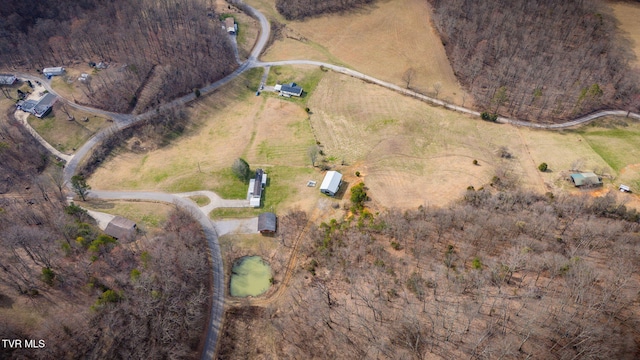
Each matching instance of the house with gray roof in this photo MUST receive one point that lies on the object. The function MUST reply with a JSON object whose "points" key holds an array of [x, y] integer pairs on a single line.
{"points": [[291, 89], [586, 179], [39, 108]]}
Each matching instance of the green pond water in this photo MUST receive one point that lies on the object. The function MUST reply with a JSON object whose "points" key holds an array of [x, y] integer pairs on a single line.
{"points": [[250, 276]]}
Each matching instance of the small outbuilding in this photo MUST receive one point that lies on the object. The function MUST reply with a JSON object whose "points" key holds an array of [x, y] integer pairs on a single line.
{"points": [[331, 183], [121, 228], [625, 188], [53, 71], [586, 179], [230, 25], [267, 223], [8, 79]]}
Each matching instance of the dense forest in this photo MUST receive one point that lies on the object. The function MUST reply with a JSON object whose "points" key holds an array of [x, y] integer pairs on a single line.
{"points": [[498, 275], [300, 9], [84, 293], [540, 60], [172, 44]]}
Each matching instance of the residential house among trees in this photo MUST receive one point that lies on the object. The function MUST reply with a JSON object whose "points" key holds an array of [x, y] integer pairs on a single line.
{"points": [[267, 223], [586, 179], [121, 229], [53, 71], [38, 108], [331, 183]]}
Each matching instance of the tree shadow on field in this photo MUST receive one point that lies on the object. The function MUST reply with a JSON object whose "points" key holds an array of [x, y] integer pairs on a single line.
{"points": [[6, 301]]}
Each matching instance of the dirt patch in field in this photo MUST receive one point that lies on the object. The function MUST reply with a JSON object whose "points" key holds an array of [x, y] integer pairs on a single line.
{"points": [[628, 14], [383, 40]]}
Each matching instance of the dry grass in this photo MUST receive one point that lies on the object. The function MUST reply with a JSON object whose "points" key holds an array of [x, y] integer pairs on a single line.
{"points": [[411, 154], [628, 14], [383, 41], [68, 85], [149, 216], [267, 131], [408, 152], [67, 135], [248, 27]]}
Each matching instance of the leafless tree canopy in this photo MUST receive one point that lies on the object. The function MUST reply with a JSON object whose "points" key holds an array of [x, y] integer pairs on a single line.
{"points": [[300, 9], [539, 60], [503, 275], [98, 299], [169, 45]]}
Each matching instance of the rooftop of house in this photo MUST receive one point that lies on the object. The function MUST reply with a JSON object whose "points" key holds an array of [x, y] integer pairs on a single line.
{"points": [[267, 222]]}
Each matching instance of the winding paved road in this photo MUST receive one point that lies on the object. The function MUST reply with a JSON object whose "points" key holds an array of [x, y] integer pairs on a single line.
{"points": [[122, 121]]}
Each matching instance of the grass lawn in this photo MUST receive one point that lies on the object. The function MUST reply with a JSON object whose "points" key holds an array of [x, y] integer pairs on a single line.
{"points": [[147, 215], [65, 135], [268, 132], [249, 243], [307, 79], [200, 200], [616, 141], [408, 152]]}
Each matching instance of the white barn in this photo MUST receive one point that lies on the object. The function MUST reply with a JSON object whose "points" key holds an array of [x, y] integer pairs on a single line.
{"points": [[7, 79], [331, 183], [53, 71]]}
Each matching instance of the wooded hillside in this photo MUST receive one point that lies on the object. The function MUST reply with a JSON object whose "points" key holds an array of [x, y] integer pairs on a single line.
{"points": [[540, 60], [85, 294], [300, 9], [173, 41], [504, 275]]}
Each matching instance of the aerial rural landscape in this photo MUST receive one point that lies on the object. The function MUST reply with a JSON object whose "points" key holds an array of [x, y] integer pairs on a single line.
{"points": [[305, 179]]}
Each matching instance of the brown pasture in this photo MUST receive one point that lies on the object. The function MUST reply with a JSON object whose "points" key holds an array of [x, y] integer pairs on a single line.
{"points": [[382, 40]]}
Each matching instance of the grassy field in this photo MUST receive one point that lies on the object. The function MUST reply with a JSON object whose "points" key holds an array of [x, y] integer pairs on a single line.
{"points": [[68, 85], [268, 131], [66, 135], [147, 215], [408, 152], [411, 154], [382, 40], [628, 14], [200, 200]]}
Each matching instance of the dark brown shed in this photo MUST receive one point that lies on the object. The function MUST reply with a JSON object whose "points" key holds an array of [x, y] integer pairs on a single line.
{"points": [[267, 223], [121, 229]]}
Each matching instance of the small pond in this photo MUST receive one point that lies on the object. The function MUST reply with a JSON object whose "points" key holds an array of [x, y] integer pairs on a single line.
{"points": [[250, 276]]}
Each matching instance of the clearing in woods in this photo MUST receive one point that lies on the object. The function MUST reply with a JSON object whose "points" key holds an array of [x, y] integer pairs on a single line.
{"points": [[147, 215], [628, 14], [408, 152], [64, 134], [411, 154], [268, 131], [382, 40]]}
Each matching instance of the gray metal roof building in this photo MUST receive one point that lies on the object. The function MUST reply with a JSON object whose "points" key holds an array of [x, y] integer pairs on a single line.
{"points": [[7, 79], [267, 223], [582, 179], [121, 228], [291, 89]]}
